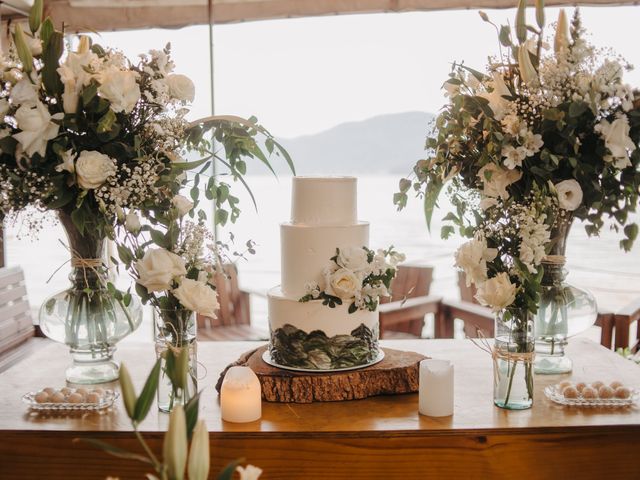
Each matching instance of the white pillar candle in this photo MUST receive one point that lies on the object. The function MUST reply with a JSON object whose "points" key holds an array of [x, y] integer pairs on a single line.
{"points": [[241, 396], [436, 388]]}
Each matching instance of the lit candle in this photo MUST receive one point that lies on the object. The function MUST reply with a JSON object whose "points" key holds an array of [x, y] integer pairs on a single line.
{"points": [[436, 388], [241, 396]]}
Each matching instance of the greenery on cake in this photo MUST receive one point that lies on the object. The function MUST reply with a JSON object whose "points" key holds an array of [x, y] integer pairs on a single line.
{"points": [[293, 347], [357, 275]]}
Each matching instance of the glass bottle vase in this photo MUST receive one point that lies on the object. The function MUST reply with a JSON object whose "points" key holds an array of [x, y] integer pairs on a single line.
{"points": [[176, 346], [564, 310], [513, 354], [87, 316]]}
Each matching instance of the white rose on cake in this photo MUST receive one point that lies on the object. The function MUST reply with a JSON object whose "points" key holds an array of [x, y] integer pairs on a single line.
{"points": [[181, 87], [158, 268], [343, 283], [353, 258], [120, 88], [197, 297], [93, 168], [497, 292]]}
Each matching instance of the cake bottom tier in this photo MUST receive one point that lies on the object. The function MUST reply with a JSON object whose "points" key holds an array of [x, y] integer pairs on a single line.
{"points": [[314, 336]]}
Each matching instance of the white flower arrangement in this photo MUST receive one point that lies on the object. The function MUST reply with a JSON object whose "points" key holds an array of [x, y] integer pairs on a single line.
{"points": [[357, 275]]}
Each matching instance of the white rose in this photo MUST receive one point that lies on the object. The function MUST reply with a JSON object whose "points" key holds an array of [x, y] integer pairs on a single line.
{"points": [[569, 194], [249, 472], [497, 292], [353, 258], [343, 283], [132, 223], [182, 204], [76, 65], [616, 139], [24, 93], [197, 297], [496, 180], [158, 268], [472, 257], [37, 128], [120, 88], [497, 102], [181, 87], [93, 168]]}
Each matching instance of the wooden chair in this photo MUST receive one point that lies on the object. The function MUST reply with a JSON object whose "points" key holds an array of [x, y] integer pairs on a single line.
{"points": [[16, 325], [622, 322], [402, 315], [233, 320]]}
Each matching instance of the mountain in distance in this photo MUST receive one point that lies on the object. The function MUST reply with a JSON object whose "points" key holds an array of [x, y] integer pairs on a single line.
{"points": [[386, 144]]}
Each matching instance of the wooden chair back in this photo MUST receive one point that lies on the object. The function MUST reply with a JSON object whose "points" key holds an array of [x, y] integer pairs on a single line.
{"points": [[411, 281], [234, 304], [623, 320], [467, 293], [16, 325]]}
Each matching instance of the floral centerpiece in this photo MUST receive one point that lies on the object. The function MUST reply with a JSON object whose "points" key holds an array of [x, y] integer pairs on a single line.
{"points": [[544, 137], [95, 138], [357, 275]]}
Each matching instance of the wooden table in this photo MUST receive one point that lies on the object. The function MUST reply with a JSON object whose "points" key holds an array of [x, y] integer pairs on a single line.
{"points": [[382, 437]]}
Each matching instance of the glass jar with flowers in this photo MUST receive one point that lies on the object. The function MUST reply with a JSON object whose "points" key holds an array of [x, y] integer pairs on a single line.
{"points": [[543, 135]]}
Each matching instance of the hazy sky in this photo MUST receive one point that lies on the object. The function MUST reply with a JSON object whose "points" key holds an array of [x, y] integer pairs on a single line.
{"points": [[302, 76]]}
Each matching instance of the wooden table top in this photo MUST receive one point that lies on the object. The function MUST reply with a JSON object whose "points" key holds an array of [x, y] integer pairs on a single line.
{"points": [[383, 416]]}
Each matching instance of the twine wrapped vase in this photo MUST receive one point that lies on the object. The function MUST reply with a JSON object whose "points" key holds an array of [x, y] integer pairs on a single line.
{"points": [[88, 316], [513, 356]]}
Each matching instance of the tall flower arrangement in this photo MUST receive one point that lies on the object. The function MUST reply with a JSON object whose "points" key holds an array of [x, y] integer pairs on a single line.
{"points": [[547, 134], [102, 141]]}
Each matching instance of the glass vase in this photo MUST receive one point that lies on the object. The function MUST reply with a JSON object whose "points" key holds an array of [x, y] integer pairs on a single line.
{"points": [[564, 310], [176, 346], [86, 316], [513, 360]]}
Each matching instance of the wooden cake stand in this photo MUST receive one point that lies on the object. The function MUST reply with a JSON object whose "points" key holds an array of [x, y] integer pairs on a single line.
{"points": [[397, 373]]}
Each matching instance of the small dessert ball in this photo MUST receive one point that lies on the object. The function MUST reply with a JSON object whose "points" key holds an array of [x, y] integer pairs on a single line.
{"points": [[589, 393], [570, 392], [57, 397], [615, 384], [82, 391], [49, 390], [42, 397], [99, 391], [93, 397], [75, 398], [66, 391], [622, 392], [597, 385], [606, 392], [580, 386], [565, 384]]}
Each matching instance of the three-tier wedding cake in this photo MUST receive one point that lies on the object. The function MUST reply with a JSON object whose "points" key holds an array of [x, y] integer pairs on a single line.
{"points": [[319, 334]]}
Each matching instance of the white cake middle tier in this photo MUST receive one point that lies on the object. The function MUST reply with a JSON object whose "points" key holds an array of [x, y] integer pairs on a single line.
{"points": [[306, 250], [311, 316]]}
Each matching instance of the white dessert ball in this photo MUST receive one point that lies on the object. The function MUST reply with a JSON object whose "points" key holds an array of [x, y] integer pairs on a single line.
{"points": [[606, 392], [75, 398], [580, 386], [589, 393], [570, 392], [57, 397], [622, 392]]}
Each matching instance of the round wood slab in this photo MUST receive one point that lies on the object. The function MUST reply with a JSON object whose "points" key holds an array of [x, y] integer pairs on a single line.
{"points": [[397, 373]]}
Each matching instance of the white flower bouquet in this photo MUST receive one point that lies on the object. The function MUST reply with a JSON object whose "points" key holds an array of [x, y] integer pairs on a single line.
{"points": [[357, 275]]}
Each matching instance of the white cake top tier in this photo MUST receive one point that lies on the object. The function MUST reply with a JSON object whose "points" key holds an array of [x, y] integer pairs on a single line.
{"points": [[324, 201]]}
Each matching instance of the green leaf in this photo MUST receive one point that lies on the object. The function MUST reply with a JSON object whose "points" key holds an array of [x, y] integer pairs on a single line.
{"points": [[106, 123], [78, 219], [521, 23], [221, 217], [46, 30], [577, 108], [145, 400], [51, 57], [229, 470], [631, 231], [189, 165], [191, 413], [89, 93], [22, 48], [505, 35], [431, 200], [159, 238], [115, 451], [35, 16]]}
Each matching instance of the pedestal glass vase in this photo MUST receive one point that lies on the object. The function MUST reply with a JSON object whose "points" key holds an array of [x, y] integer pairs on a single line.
{"points": [[513, 360], [564, 309], [87, 316], [176, 346]]}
